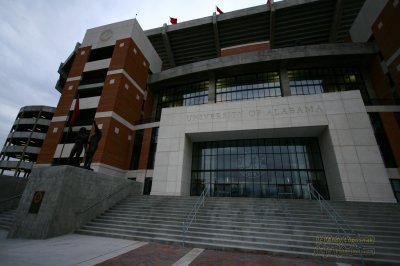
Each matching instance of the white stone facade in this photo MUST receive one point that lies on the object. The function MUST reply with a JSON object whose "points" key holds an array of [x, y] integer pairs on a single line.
{"points": [[353, 165]]}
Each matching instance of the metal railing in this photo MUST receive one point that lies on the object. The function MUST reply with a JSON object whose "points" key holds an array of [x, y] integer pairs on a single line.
{"points": [[192, 214], [341, 226]]}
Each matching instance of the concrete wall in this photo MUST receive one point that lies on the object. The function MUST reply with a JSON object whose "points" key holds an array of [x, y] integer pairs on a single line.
{"points": [[70, 200], [353, 164]]}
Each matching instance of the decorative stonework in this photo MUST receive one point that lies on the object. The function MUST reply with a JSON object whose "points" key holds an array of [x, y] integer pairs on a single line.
{"points": [[106, 35], [258, 113]]}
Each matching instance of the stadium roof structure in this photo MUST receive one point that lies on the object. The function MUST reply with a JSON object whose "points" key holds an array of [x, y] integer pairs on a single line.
{"points": [[284, 24]]}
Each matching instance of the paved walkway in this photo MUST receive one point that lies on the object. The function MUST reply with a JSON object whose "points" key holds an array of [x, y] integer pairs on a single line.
{"points": [[65, 250], [84, 250], [158, 254]]}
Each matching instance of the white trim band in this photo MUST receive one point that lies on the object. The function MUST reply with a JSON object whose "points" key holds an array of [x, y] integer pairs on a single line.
{"points": [[59, 118], [126, 123], [116, 117], [393, 57], [122, 71], [74, 78], [89, 86], [147, 125]]}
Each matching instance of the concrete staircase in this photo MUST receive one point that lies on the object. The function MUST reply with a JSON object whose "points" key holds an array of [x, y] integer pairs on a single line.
{"points": [[7, 218], [275, 226]]}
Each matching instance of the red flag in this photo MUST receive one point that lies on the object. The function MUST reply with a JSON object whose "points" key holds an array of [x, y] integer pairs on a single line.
{"points": [[173, 20], [75, 113], [219, 10], [269, 2]]}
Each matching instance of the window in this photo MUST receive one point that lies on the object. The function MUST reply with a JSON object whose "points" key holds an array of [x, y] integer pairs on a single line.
{"points": [[250, 86], [137, 147], [95, 76], [153, 148], [90, 92], [397, 116], [315, 81], [186, 95], [383, 142], [271, 168], [101, 53]]}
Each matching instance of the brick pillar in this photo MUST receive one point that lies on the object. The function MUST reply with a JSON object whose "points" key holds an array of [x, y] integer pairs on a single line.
{"points": [[56, 128], [144, 152]]}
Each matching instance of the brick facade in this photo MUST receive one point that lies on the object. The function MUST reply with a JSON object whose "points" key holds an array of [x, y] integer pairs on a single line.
{"points": [[122, 96]]}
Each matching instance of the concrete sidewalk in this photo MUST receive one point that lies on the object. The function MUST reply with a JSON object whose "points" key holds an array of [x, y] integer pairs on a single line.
{"points": [[72, 249], [83, 250]]}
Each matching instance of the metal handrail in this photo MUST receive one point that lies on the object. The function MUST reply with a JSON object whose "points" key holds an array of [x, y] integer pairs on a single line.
{"points": [[341, 226], [192, 214]]}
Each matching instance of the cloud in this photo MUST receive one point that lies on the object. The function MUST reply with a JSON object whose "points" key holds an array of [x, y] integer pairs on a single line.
{"points": [[36, 36]]}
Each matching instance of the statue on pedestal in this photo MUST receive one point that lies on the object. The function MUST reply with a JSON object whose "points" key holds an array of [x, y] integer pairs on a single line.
{"points": [[93, 143], [80, 144]]}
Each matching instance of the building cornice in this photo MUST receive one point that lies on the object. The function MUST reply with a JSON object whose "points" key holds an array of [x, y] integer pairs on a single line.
{"points": [[278, 55]]}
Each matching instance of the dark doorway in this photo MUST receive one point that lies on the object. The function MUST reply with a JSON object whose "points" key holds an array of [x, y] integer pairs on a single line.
{"points": [[147, 185]]}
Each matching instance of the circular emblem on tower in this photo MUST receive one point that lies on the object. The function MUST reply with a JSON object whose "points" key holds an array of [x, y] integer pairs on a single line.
{"points": [[106, 35]]}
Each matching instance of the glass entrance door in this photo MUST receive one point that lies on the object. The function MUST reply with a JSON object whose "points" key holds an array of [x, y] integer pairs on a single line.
{"points": [[269, 168]]}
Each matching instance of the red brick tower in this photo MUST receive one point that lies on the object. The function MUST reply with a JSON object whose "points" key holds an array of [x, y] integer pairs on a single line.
{"points": [[109, 72]]}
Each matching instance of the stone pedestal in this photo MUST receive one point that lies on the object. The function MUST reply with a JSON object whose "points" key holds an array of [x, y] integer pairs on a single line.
{"points": [[59, 199]]}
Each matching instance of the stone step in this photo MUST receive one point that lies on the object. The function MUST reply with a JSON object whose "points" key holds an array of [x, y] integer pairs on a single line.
{"points": [[394, 212], [274, 248], [5, 226], [360, 215], [176, 235], [258, 213], [243, 221], [295, 233], [281, 226], [6, 219], [254, 201], [220, 216], [246, 201], [238, 228]]}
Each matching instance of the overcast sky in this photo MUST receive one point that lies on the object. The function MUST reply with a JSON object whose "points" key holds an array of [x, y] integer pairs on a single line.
{"points": [[37, 35]]}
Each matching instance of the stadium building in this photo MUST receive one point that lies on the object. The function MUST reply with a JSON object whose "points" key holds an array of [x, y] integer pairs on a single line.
{"points": [[257, 102]]}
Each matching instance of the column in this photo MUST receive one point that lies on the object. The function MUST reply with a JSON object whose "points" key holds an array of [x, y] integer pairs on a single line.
{"points": [[283, 73], [211, 88]]}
